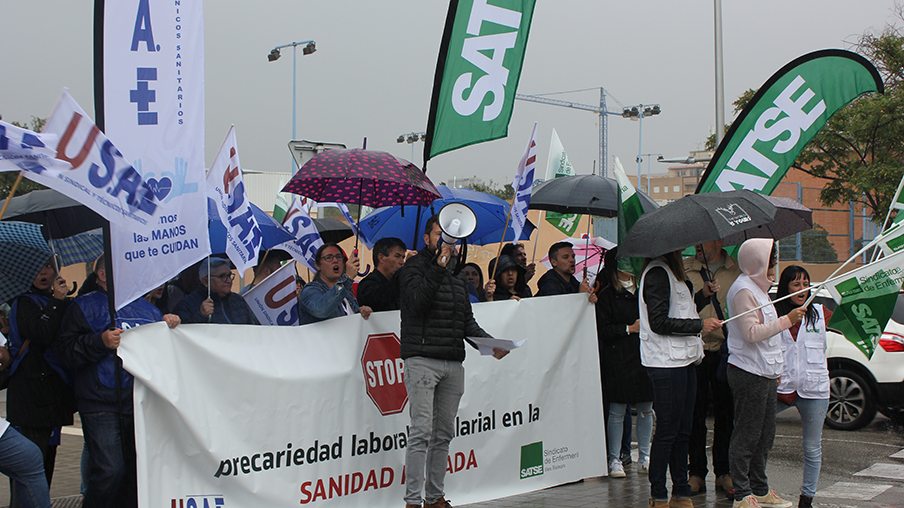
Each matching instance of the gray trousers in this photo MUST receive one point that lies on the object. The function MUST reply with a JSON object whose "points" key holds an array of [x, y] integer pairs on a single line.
{"points": [[434, 389], [754, 431]]}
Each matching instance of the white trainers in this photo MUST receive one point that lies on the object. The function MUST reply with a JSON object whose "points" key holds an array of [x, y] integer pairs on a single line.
{"points": [[644, 466], [616, 470], [772, 500]]}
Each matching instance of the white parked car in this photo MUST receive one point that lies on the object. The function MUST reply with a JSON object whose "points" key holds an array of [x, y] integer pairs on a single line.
{"points": [[861, 386]]}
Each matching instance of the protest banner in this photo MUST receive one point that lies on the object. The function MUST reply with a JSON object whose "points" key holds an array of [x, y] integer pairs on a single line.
{"points": [[523, 184], [152, 61], [558, 165], [226, 190], [248, 416], [24, 149], [784, 115], [477, 73], [274, 301], [100, 177], [307, 239]]}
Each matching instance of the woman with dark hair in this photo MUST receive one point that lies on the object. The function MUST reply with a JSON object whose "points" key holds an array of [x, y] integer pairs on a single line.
{"points": [[755, 364], [670, 344], [804, 383], [625, 381], [472, 273], [330, 294]]}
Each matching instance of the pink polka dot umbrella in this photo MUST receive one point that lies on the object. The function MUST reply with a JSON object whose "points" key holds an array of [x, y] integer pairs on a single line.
{"points": [[364, 177]]}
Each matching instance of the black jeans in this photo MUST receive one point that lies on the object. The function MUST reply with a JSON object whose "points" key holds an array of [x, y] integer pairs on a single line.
{"points": [[673, 400], [723, 419]]}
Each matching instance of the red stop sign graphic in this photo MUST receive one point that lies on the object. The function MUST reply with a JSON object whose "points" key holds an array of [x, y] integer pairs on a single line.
{"points": [[384, 373]]}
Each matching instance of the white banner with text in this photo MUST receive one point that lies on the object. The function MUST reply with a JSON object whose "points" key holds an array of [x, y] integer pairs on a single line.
{"points": [[248, 416]]}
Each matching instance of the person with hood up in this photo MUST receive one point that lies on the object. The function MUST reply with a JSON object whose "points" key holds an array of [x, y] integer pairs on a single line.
{"points": [[754, 366], [509, 278]]}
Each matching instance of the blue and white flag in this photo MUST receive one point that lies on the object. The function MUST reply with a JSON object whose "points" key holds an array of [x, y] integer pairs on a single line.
{"points": [[153, 79], [524, 181], [227, 190], [348, 217], [274, 301], [307, 239], [100, 177], [24, 149]]}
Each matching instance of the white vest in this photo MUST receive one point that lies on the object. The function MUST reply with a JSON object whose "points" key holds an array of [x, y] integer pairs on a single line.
{"points": [[761, 358], [669, 351], [806, 370]]}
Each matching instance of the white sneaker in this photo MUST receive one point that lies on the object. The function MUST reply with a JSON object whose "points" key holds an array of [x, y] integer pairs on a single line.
{"points": [[644, 466], [616, 470]]}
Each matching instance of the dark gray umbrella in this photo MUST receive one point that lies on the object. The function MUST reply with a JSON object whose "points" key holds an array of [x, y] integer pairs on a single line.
{"points": [[332, 230], [791, 217], [695, 219], [61, 216], [586, 194]]}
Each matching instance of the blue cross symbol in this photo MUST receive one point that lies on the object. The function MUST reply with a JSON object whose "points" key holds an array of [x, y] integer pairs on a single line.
{"points": [[143, 96]]}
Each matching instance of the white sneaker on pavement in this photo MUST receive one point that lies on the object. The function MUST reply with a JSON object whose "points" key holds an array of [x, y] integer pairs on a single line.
{"points": [[616, 470], [644, 466]]}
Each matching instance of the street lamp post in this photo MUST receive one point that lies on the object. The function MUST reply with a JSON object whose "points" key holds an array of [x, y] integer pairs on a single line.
{"points": [[412, 138], [649, 160], [636, 113], [309, 47]]}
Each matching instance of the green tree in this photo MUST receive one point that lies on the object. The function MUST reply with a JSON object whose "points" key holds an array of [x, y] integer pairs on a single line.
{"points": [[507, 192], [739, 104], [8, 178]]}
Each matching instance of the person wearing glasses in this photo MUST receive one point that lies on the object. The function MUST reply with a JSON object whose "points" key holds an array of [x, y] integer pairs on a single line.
{"points": [[222, 306], [330, 294]]}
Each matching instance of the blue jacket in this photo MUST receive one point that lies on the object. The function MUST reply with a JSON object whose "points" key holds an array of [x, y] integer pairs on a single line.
{"points": [[319, 302], [81, 348]]}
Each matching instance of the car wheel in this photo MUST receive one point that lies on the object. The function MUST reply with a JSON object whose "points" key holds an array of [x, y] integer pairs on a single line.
{"points": [[851, 403]]}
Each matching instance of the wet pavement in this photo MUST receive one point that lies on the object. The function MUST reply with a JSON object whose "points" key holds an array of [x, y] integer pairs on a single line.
{"points": [[862, 469]]}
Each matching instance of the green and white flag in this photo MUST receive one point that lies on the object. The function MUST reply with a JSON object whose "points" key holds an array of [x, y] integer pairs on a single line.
{"points": [[866, 298], [629, 210], [477, 73], [784, 115], [558, 165]]}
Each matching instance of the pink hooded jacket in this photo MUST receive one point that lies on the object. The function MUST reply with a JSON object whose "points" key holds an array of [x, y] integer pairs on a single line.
{"points": [[753, 259]]}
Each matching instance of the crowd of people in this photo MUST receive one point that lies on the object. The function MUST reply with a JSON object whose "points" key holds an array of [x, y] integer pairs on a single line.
{"points": [[664, 351]]}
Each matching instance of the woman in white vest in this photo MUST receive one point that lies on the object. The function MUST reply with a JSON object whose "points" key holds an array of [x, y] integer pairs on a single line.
{"points": [[805, 376], [754, 341], [670, 344]]}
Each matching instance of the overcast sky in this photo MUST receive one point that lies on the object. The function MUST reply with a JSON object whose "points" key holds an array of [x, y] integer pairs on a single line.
{"points": [[372, 74]]}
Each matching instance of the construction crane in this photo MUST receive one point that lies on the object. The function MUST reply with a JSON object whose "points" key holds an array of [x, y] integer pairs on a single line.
{"points": [[601, 110]]}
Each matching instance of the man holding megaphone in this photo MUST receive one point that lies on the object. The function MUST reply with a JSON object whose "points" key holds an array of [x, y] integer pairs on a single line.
{"points": [[436, 321]]}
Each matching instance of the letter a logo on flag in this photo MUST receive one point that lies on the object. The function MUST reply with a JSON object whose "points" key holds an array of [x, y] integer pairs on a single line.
{"points": [[227, 191]]}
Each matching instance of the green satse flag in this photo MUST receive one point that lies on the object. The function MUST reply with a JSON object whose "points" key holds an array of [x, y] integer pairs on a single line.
{"points": [[784, 115], [558, 165], [629, 210], [866, 298], [477, 73]]}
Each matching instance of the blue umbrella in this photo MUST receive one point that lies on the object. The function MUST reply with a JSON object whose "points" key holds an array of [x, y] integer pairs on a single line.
{"points": [[399, 221], [23, 252], [273, 232]]}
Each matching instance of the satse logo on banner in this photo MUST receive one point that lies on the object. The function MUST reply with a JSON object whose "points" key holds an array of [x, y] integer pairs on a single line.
{"points": [[475, 50]]}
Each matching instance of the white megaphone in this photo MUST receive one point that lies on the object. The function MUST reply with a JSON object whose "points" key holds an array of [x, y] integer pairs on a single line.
{"points": [[457, 221]]}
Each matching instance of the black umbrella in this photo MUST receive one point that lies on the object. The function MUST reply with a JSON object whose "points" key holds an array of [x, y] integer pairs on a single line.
{"points": [[695, 219], [587, 194], [791, 217], [332, 230], [61, 216]]}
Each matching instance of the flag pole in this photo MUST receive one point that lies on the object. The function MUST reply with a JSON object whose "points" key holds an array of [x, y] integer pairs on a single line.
{"points": [[501, 243], [533, 258], [12, 192], [891, 206]]}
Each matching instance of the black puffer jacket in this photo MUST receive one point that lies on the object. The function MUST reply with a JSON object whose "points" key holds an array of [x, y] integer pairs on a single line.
{"points": [[436, 310], [625, 380]]}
